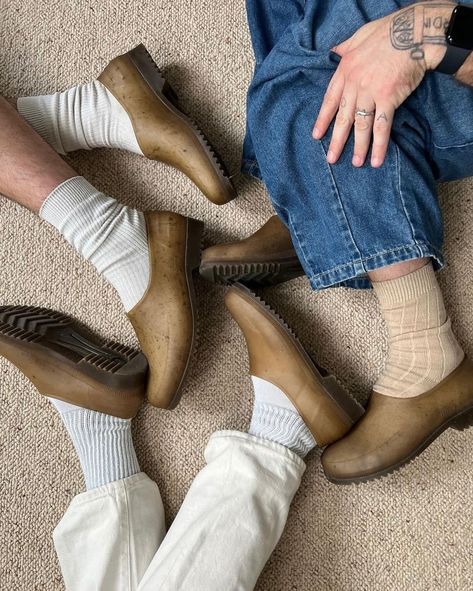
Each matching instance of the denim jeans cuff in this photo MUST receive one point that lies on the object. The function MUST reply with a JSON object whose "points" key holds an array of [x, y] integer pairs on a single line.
{"points": [[354, 273]]}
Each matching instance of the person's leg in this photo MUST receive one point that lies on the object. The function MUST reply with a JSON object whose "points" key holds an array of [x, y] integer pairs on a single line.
{"points": [[110, 533], [112, 236], [267, 22], [237, 507], [148, 257], [351, 226], [30, 168], [132, 107], [333, 212], [423, 350], [83, 117], [231, 519]]}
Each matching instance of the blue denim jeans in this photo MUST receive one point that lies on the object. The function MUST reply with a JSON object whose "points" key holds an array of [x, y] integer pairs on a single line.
{"points": [[346, 221]]}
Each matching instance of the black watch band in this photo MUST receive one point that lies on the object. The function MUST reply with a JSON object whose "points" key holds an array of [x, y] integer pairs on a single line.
{"points": [[453, 60]]}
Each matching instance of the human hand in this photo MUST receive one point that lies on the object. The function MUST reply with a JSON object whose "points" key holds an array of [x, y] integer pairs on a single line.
{"points": [[381, 65]]}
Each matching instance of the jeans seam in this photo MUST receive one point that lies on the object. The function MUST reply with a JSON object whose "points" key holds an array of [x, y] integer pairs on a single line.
{"points": [[296, 235], [401, 195], [252, 163], [465, 145], [340, 202], [250, 167]]}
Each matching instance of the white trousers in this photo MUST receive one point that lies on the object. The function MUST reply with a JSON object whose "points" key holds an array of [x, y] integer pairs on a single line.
{"points": [[113, 538]]}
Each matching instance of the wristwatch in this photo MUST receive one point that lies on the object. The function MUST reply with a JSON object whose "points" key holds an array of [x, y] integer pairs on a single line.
{"points": [[459, 37]]}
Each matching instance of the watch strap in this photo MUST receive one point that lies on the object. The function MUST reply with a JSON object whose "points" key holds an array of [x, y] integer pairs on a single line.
{"points": [[453, 60]]}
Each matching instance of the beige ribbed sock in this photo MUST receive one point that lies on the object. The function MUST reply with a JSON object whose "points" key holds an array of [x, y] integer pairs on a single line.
{"points": [[422, 347]]}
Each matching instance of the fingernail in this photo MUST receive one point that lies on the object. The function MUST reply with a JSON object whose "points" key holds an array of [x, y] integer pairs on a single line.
{"points": [[357, 161], [316, 133], [375, 162], [331, 156]]}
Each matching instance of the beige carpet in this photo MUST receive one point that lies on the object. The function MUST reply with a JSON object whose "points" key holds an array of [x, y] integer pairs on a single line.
{"points": [[412, 531]]}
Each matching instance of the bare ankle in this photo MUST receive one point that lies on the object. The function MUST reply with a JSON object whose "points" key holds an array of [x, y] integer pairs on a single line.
{"points": [[397, 270]]}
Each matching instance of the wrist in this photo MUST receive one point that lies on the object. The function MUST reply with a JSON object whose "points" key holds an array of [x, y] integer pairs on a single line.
{"points": [[436, 21]]}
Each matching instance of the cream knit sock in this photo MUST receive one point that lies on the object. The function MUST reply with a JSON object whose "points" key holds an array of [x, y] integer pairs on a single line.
{"points": [[84, 117], [111, 236], [422, 347]]}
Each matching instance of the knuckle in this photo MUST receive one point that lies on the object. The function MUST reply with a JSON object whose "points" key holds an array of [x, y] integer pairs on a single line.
{"points": [[361, 124], [380, 127], [385, 92], [330, 98], [365, 84], [342, 119], [352, 77], [348, 58]]}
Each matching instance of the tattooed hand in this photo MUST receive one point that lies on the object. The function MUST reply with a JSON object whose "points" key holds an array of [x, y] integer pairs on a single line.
{"points": [[381, 65]]}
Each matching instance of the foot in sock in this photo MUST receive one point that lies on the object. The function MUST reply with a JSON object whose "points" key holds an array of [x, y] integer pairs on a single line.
{"points": [[149, 259], [277, 419], [103, 444], [422, 347], [426, 385], [97, 388], [297, 404], [83, 117], [133, 108], [111, 236]]}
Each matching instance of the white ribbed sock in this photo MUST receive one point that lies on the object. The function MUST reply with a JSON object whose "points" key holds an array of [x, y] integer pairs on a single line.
{"points": [[276, 418], [110, 235], [422, 347], [84, 117], [103, 443]]}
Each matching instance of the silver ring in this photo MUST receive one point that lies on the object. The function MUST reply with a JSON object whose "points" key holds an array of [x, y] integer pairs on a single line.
{"points": [[363, 113]]}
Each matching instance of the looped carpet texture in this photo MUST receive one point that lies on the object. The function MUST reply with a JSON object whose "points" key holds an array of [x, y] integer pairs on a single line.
{"points": [[408, 532]]}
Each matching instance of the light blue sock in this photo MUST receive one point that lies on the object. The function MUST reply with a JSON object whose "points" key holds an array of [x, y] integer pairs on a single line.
{"points": [[103, 443], [276, 418]]}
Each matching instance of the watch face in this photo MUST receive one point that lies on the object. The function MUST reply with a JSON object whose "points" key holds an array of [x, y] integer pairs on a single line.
{"points": [[460, 31]]}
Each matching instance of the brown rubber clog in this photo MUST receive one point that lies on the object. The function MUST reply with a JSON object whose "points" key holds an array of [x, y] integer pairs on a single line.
{"points": [[267, 257], [164, 319], [163, 131], [277, 357], [65, 362]]}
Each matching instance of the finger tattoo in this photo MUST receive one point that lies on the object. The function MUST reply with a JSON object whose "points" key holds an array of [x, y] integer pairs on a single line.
{"points": [[382, 116]]}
